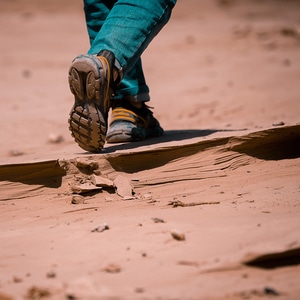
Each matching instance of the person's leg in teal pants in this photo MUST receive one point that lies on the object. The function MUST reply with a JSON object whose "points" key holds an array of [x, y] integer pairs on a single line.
{"points": [[119, 32]]}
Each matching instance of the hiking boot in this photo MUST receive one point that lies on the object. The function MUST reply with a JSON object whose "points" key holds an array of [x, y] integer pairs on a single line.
{"points": [[91, 81], [130, 124]]}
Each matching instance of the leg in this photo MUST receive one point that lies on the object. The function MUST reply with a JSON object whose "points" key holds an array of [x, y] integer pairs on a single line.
{"points": [[131, 119], [96, 12], [126, 29], [89, 81], [133, 86], [130, 27]]}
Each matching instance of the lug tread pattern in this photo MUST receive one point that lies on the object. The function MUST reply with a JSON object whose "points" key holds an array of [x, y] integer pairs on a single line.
{"points": [[88, 116]]}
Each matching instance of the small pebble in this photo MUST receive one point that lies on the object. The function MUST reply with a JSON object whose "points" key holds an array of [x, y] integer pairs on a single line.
{"points": [[37, 293], [15, 152], [17, 279], [279, 124], [158, 220], [26, 73], [77, 199], [112, 268], [101, 228], [51, 274], [148, 196], [270, 291], [178, 235], [55, 138], [86, 164], [139, 290]]}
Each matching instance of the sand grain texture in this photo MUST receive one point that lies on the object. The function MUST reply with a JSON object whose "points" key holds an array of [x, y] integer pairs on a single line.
{"points": [[208, 211]]}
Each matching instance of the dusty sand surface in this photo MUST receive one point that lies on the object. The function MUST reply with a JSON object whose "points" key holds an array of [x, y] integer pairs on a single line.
{"points": [[211, 210]]}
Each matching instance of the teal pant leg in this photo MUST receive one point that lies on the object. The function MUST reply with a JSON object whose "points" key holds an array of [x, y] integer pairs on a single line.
{"points": [[126, 27], [133, 86]]}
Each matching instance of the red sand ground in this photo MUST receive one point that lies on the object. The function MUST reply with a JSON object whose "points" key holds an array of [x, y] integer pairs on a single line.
{"points": [[224, 78]]}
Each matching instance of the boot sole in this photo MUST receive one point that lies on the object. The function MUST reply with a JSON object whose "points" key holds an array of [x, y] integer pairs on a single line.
{"points": [[88, 116]]}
